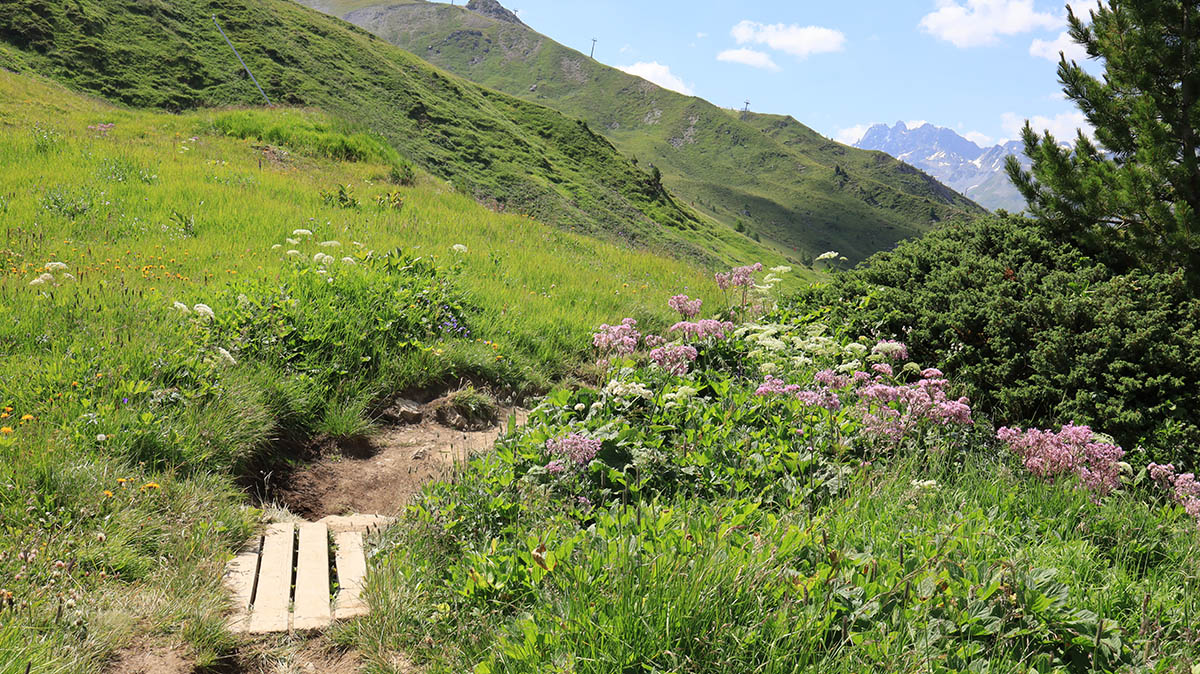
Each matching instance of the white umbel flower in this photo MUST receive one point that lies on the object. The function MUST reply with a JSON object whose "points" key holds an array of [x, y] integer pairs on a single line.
{"points": [[56, 266], [458, 248], [181, 308], [330, 244], [204, 311], [302, 232]]}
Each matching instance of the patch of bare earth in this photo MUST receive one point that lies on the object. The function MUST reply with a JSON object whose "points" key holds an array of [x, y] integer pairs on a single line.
{"points": [[380, 474], [144, 657]]}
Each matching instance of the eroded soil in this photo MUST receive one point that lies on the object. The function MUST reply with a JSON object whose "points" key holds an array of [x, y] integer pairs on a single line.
{"points": [[380, 474]]}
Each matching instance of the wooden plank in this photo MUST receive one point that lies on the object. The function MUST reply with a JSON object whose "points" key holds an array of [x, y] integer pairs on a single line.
{"points": [[311, 609], [364, 523], [352, 570], [240, 574], [270, 611]]}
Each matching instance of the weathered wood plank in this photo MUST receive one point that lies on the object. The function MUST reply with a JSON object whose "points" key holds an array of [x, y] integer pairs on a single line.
{"points": [[311, 608], [240, 574], [352, 570], [270, 610]]}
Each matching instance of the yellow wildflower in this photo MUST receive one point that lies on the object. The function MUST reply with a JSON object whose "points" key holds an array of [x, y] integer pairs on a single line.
{"points": [[108, 493], [150, 485], [26, 417], [3, 415], [6, 430]]}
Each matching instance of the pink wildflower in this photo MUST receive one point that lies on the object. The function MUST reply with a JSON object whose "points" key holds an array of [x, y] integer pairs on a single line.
{"points": [[1071, 450], [931, 373], [775, 386], [1185, 490], [619, 339], [688, 308], [703, 329], [882, 368], [674, 359], [652, 341], [578, 448], [556, 466], [722, 280]]}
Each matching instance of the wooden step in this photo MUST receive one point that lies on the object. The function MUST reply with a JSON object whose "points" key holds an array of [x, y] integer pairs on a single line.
{"points": [[352, 569], [311, 610], [269, 612], [281, 581]]}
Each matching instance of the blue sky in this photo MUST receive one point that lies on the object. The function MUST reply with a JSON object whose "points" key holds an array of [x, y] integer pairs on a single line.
{"points": [[980, 67]]}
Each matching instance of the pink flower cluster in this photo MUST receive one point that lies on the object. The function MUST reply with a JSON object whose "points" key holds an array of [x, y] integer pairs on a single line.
{"points": [[819, 397], [618, 339], [576, 448], [893, 410], [1069, 451], [676, 359], [703, 329], [1183, 487], [739, 277], [687, 307], [102, 129], [888, 410]]}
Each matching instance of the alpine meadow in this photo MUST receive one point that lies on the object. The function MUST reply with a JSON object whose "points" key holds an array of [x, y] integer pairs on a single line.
{"points": [[346, 336]]}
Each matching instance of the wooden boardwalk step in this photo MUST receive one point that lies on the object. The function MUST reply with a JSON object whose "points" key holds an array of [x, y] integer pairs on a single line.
{"points": [[281, 582], [352, 569], [311, 610]]}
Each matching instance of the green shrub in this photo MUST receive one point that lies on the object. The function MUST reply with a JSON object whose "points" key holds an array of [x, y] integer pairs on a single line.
{"points": [[1037, 330]]}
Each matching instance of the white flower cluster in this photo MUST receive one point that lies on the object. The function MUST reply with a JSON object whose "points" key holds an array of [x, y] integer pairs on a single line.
{"points": [[627, 390], [458, 248], [679, 397], [47, 277]]}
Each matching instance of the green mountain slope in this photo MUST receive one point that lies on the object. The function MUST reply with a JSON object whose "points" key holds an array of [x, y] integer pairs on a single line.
{"points": [[796, 189], [512, 154]]}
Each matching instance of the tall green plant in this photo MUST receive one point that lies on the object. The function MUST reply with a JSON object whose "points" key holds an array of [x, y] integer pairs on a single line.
{"points": [[1136, 189]]}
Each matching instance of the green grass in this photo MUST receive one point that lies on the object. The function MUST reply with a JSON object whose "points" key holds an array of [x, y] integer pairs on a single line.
{"points": [[515, 156], [123, 390], [780, 180]]}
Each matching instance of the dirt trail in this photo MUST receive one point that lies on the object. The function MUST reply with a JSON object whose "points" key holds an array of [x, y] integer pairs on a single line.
{"points": [[380, 474]]}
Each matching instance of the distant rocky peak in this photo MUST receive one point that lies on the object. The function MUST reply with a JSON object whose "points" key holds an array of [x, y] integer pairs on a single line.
{"points": [[493, 9]]}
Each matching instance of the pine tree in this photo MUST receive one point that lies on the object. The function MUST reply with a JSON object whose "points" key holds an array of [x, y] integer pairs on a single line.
{"points": [[1136, 191]]}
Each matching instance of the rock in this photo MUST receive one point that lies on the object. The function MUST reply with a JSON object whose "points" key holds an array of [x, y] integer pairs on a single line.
{"points": [[493, 9], [451, 417], [403, 412]]}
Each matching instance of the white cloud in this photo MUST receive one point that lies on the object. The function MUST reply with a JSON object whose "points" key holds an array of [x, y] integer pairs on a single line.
{"points": [[851, 135], [980, 139], [1049, 49], [971, 23], [749, 57], [701, 36], [658, 74], [795, 40], [1063, 125], [916, 123]]}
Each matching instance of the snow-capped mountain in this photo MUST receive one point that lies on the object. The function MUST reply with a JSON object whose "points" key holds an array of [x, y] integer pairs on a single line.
{"points": [[973, 171]]}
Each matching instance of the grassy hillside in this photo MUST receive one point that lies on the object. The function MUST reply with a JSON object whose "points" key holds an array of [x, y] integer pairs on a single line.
{"points": [[800, 192], [514, 155], [125, 420]]}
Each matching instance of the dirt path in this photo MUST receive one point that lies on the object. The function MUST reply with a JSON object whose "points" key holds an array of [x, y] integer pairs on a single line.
{"points": [[380, 475]]}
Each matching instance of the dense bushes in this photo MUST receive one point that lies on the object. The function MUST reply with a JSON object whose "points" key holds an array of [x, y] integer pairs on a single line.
{"points": [[1038, 330]]}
